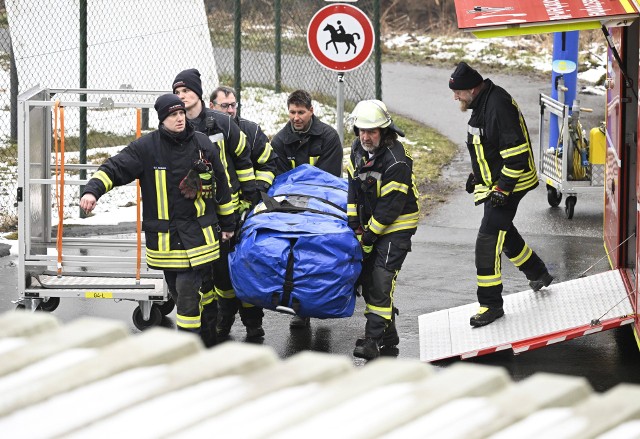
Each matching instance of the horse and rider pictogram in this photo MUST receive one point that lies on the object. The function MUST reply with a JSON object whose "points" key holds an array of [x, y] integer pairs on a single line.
{"points": [[340, 36], [344, 24]]}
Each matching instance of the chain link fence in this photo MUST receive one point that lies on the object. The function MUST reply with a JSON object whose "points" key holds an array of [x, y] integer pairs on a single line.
{"points": [[142, 45], [274, 47]]}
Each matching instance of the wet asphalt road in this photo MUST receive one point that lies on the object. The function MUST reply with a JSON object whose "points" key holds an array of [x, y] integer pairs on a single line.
{"points": [[439, 273]]}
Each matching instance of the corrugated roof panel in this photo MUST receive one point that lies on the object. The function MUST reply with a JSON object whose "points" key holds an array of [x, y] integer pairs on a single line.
{"points": [[162, 383]]}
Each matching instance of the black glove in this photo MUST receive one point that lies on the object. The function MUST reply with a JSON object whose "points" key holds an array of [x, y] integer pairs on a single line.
{"points": [[191, 185], [252, 197], [366, 241], [471, 183], [498, 198]]}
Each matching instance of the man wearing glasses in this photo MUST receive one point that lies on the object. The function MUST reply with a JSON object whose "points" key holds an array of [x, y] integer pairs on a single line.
{"points": [[224, 99]]}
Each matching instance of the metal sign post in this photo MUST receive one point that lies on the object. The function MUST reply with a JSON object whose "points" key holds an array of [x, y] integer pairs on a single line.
{"points": [[340, 107]]}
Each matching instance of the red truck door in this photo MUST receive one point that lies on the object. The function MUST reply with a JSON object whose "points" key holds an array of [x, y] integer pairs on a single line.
{"points": [[614, 142], [621, 186]]}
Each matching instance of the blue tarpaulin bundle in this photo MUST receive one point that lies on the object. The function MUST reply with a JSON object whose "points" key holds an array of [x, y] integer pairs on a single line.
{"points": [[296, 252]]}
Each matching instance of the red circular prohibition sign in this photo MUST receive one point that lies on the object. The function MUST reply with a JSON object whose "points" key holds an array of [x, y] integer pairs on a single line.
{"points": [[367, 39]]}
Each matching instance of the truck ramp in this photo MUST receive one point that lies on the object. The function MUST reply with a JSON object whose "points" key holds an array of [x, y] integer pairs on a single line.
{"points": [[532, 320]]}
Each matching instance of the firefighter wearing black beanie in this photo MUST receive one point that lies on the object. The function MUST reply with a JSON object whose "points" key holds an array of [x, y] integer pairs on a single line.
{"points": [[464, 77], [189, 78], [225, 132], [503, 172], [167, 104]]}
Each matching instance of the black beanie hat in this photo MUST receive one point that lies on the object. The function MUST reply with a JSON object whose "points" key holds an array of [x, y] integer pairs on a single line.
{"points": [[167, 104], [189, 78], [464, 77]]}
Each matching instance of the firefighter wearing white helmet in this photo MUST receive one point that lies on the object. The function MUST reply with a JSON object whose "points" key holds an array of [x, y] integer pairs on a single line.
{"points": [[382, 207]]}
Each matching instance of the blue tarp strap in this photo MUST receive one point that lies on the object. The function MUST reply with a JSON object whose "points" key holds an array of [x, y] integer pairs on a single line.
{"points": [[287, 287]]}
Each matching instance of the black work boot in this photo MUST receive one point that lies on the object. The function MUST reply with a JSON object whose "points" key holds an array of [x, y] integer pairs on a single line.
{"points": [[208, 319], [227, 309], [208, 336], [544, 281], [251, 317], [485, 315], [298, 322], [255, 331], [367, 348]]}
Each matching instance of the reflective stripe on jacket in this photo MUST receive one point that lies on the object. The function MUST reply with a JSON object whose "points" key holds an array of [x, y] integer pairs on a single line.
{"points": [[262, 155], [236, 157], [180, 233], [499, 144], [383, 196]]}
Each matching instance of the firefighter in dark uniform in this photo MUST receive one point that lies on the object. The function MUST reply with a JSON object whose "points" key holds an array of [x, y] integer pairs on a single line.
{"points": [[382, 207], [503, 172], [187, 205], [224, 99], [236, 157], [306, 139]]}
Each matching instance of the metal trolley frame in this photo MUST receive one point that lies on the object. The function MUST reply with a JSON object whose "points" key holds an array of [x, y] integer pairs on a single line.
{"points": [[92, 267], [554, 165]]}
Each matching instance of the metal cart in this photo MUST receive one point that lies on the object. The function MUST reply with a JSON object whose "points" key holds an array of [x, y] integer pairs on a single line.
{"points": [[54, 264], [565, 168]]}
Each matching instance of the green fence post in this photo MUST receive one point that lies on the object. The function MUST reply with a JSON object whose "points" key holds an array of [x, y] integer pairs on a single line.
{"points": [[83, 97], [13, 102], [237, 52], [278, 54]]}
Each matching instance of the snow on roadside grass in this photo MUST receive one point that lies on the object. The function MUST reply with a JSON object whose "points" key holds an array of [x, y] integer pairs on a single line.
{"points": [[507, 52], [269, 108], [117, 206]]}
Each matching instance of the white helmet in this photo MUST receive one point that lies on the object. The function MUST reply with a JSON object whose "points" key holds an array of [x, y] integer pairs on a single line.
{"points": [[371, 114]]}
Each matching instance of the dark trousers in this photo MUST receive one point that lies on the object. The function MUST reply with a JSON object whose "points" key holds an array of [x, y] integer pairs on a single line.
{"points": [[378, 279], [184, 287], [226, 297], [209, 309], [497, 234]]}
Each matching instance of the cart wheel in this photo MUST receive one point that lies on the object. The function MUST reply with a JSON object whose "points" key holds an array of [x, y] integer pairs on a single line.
{"points": [[553, 196], [50, 304], [167, 307], [20, 306], [569, 205], [154, 318]]}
